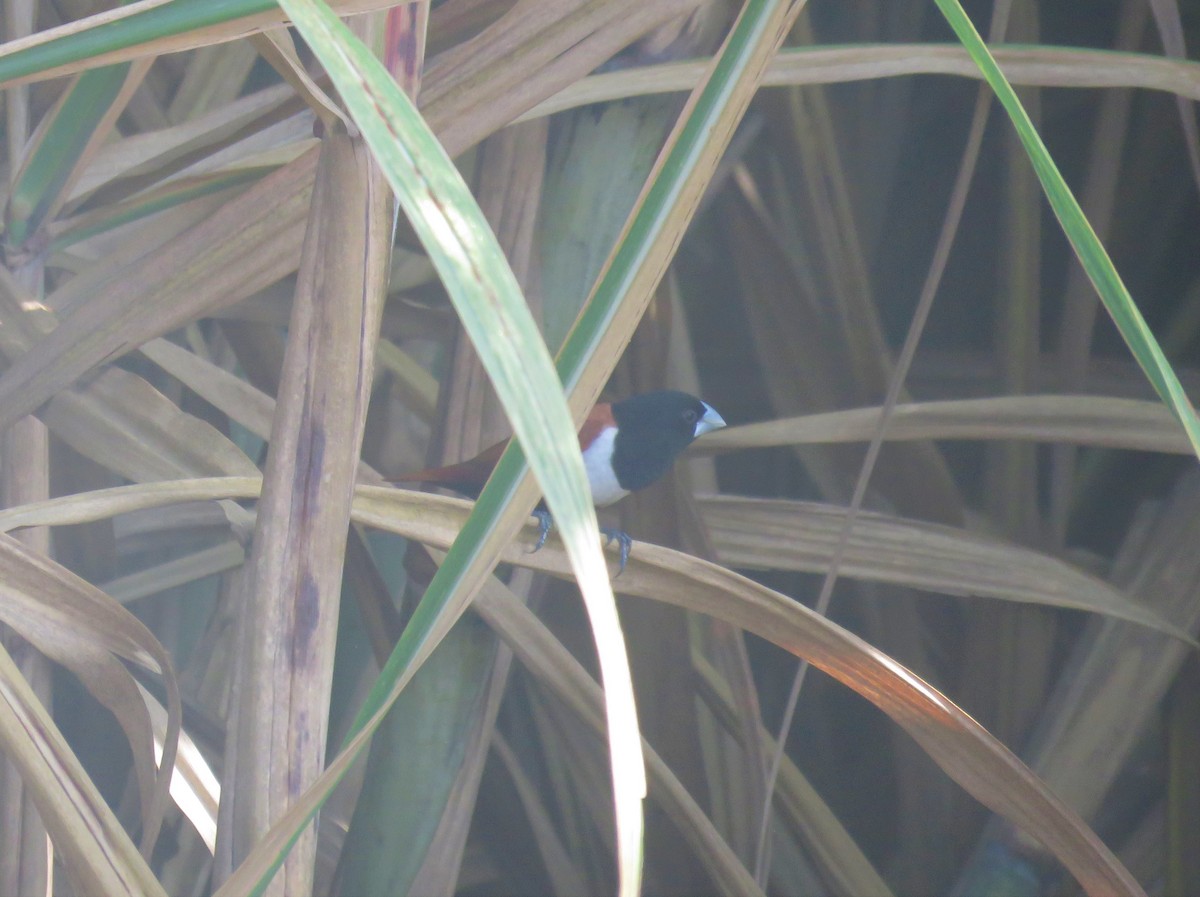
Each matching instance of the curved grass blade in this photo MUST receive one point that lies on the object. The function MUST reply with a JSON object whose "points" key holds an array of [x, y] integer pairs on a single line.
{"points": [[94, 847], [967, 753], [77, 625], [1098, 421], [142, 29], [777, 533], [493, 312], [136, 24], [1083, 239], [783, 534], [665, 209], [1037, 66]]}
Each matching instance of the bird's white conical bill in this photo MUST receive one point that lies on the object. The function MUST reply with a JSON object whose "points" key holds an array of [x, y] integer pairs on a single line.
{"points": [[709, 421]]}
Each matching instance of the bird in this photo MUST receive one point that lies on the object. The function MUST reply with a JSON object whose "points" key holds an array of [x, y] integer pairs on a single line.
{"points": [[626, 446]]}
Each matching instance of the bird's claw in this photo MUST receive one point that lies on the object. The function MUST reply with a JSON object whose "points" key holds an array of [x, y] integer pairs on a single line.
{"points": [[545, 522], [622, 539]]}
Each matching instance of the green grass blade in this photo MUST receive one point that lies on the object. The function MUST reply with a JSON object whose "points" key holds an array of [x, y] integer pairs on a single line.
{"points": [[649, 240], [1083, 239], [651, 224], [493, 311], [138, 27], [60, 147]]}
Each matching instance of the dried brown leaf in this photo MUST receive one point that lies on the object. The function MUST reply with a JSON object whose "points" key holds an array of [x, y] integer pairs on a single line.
{"points": [[153, 155], [1085, 420], [794, 535], [248, 244], [295, 569], [955, 741], [833, 850], [77, 625], [99, 856], [254, 240], [123, 423], [1042, 66]]}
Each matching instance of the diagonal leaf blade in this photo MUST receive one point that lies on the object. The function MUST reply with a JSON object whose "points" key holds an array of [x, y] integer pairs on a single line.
{"points": [[493, 312], [1078, 229]]}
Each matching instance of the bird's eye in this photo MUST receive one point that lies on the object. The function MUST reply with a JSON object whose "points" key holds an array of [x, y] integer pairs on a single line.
{"points": [[690, 416]]}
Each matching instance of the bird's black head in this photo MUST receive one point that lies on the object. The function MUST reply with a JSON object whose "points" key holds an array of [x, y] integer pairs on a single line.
{"points": [[652, 429]]}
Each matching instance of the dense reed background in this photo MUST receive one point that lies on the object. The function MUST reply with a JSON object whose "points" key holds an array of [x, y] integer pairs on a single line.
{"points": [[201, 286]]}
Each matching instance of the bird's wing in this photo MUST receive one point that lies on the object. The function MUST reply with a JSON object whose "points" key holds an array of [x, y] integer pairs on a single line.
{"points": [[473, 472], [598, 420]]}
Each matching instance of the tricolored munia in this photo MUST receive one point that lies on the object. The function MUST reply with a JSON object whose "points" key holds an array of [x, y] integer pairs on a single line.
{"points": [[626, 446]]}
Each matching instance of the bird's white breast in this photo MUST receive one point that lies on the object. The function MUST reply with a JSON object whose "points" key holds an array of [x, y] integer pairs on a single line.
{"points": [[597, 461]]}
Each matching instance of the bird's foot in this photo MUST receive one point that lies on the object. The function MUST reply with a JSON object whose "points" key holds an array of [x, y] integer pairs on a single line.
{"points": [[622, 539], [545, 522]]}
